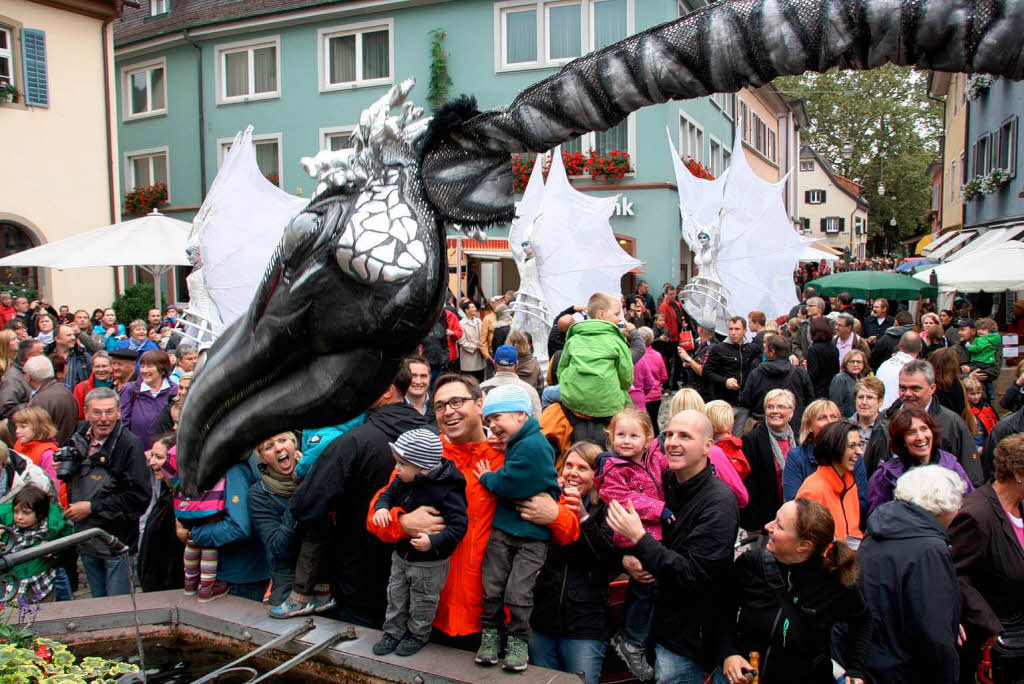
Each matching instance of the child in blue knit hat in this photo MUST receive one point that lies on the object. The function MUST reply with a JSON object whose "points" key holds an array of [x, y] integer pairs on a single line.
{"points": [[516, 549]]}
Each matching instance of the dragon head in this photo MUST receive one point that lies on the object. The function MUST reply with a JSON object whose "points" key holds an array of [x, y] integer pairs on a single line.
{"points": [[356, 280]]}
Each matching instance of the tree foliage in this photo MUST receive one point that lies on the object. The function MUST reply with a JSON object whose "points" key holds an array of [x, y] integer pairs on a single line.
{"points": [[136, 302], [894, 129]]}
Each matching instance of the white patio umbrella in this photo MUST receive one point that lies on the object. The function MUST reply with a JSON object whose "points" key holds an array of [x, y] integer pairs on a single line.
{"points": [[154, 243]]}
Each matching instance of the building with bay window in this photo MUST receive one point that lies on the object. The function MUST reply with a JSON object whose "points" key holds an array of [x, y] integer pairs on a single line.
{"points": [[194, 72]]}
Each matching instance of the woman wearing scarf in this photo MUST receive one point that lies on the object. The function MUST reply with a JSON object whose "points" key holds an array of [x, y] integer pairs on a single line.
{"points": [[138, 340], [766, 448], [269, 510], [143, 400]]}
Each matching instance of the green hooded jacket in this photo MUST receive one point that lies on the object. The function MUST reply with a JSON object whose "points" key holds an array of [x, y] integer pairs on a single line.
{"points": [[56, 527], [596, 369]]}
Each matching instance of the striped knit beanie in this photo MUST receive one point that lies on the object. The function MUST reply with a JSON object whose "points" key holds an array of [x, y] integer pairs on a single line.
{"points": [[420, 447]]}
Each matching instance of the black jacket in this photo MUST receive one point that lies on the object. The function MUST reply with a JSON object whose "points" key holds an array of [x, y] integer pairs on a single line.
{"points": [[570, 599], [886, 344], [761, 483], [339, 487], [442, 487], [909, 584], [435, 342], [1013, 400], [822, 366], [1008, 426], [752, 619], [877, 449], [694, 554], [872, 328], [777, 374], [118, 506], [728, 360], [161, 555]]}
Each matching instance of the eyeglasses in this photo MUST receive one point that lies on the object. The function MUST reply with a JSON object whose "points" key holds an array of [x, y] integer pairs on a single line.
{"points": [[455, 403], [856, 446]]}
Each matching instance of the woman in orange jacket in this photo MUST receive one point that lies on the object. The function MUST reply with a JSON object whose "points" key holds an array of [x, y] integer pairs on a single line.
{"points": [[836, 450]]}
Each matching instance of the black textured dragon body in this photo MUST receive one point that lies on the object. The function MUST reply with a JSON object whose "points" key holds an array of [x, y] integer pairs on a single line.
{"points": [[360, 275]]}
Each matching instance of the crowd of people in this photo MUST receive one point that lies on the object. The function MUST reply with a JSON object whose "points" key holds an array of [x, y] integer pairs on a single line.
{"points": [[829, 493]]}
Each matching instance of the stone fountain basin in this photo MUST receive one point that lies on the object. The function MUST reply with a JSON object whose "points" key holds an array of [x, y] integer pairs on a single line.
{"points": [[240, 625]]}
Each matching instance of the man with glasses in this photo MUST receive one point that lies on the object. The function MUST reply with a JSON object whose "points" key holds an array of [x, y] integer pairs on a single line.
{"points": [[332, 501], [108, 487], [458, 407], [846, 340]]}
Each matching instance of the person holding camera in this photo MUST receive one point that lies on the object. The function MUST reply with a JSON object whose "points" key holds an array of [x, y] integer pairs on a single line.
{"points": [[109, 487]]}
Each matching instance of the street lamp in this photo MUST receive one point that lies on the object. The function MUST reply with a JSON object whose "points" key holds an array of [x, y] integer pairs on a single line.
{"points": [[847, 155], [881, 179]]}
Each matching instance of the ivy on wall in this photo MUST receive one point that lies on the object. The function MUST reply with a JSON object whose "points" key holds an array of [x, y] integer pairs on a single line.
{"points": [[440, 81]]}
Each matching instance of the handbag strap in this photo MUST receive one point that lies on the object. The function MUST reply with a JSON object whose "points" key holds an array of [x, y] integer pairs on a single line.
{"points": [[787, 602]]}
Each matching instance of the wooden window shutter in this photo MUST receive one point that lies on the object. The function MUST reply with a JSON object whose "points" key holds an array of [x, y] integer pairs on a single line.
{"points": [[33, 53]]}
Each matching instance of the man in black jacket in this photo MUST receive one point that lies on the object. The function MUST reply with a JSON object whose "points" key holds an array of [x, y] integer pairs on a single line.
{"points": [[776, 372], [730, 362], [338, 489], [109, 487], [695, 549], [875, 325], [886, 343]]}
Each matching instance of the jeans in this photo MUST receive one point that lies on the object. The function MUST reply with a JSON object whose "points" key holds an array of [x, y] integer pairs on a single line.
{"points": [[107, 575], [511, 565], [672, 668], [551, 394], [254, 591], [575, 656], [414, 591], [62, 585], [636, 624]]}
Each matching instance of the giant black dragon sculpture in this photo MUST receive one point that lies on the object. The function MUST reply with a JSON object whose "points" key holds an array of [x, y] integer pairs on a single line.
{"points": [[360, 274]]}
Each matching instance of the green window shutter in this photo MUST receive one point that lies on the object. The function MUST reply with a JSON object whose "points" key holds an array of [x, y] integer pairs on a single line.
{"points": [[33, 52]]}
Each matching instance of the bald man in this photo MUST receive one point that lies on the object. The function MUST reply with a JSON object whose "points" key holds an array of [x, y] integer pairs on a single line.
{"points": [[694, 549]]}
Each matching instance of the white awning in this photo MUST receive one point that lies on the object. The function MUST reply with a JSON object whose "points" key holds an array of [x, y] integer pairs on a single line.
{"points": [[992, 238], [931, 246], [991, 270], [813, 254], [951, 245]]}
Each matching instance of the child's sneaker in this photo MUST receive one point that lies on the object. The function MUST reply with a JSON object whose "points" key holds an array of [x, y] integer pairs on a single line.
{"points": [[323, 603], [490, 643], [291, 607], [409, 646], [634, 657], [191, 585], [386, 645], [211, 590], [515, 655]]}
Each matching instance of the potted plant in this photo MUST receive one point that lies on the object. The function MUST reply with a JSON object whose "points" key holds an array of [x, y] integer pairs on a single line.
{"points": [[994, 180], [144, 199], [977, 86], [696, 168], [608, 167], [8, 93], [971, 189]]}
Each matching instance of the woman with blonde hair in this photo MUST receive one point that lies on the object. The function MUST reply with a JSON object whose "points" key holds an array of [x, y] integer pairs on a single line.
{"points": [[8, 349], [684, 399]]}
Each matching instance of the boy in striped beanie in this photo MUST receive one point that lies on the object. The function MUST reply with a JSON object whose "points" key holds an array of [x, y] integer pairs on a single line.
{"points": [[419, 566]]}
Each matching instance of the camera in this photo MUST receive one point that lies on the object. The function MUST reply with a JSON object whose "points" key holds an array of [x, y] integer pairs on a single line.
{"points": [[66, 460]]}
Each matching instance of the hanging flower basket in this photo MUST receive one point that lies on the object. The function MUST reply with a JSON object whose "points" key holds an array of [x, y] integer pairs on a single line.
{"points": [[145, 199], [971, 189], [696, 168], [978, 85], [994, 180]]}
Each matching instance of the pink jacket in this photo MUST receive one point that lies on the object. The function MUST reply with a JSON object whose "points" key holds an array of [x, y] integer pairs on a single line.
{"points": [[625, 481], [656, 364], [723, 469], [644, 383]]}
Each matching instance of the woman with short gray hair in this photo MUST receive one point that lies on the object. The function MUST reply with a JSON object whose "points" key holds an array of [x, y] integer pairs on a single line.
{"points": [[908, 580]]}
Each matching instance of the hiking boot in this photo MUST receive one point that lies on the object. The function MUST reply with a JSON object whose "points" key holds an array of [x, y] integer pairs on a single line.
{"points": [[211, 590], [635, 657], [292, 607], [490, 644], [323, 603], [191, 585], [515, 655], [409, 646], [386, 645]]}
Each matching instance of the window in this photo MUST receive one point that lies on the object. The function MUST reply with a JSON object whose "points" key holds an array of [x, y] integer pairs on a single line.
{"points": [[981, 156], [158, 7], [144, 89], [248, 71], [6, 56], [356, 55], [858, 226], [615, 138], [718, 157], [814, 196], [532, 34], [268, 154], [805, 225], [146, 167], [772, 152], [744, 119], [758, 136], [954, 182], [806, 164], [832, 224], [336, 138], [691, 139], [726, 102], [1004, 147]]}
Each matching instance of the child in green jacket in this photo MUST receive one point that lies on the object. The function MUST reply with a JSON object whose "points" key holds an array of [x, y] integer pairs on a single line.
{"points": [[985, 348], [32, 518], [596, 369]]}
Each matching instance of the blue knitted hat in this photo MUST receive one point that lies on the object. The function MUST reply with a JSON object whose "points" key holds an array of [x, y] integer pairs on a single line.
{"points": [[507, 399]]}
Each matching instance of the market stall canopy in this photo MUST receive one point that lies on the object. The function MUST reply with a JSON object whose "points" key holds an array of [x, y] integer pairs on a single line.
{"points": [[923, 243], [986, 241], [872, 284], [154, 243], [951, 245], [992, 270], [815, 252], [937, 242]]}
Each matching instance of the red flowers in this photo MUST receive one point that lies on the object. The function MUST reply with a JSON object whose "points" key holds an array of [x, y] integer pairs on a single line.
{"points": [[696, 168], [43, 652], [601, 166], [143, 200], [273, 178]]}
